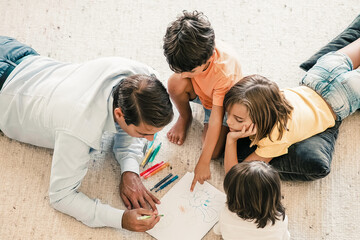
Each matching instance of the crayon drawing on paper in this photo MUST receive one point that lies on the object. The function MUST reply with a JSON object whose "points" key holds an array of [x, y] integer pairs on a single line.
{"points": [[188, 215]]}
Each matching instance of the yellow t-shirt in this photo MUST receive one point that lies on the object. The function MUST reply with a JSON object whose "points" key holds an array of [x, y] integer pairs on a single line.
{"points": [[223, 72], [311, 115]]}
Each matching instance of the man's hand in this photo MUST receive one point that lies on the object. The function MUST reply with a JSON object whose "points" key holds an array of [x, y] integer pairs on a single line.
{"points": [[202, 173], [134, 194], [130, 221], [243, 133]]}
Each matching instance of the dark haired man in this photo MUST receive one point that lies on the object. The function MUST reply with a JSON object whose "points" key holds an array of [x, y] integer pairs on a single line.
{"points": [[67, 107]]}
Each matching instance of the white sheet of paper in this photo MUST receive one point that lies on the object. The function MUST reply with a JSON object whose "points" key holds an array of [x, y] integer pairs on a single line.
{"points": [[188, 215]]}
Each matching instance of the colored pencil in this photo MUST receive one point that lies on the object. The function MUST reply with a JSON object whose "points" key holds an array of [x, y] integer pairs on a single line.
{"points": [[148, 160], [151, 168], [152, 142], [155, 152], [156, 171], [167, 183], [148, 216], [162, 181], [147, 156], [155, 168]]}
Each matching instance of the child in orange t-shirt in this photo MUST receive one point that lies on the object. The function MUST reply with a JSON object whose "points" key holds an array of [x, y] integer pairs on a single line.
{"points": [[204, 72]]}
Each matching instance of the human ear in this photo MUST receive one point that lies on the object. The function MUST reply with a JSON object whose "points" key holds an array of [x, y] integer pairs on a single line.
{"points": [[118, 114]]}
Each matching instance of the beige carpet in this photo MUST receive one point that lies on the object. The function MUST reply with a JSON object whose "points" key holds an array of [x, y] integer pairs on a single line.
{"points": [[272, 38]]}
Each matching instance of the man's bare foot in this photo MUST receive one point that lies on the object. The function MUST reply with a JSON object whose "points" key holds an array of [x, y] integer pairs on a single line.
{"points": [[177, 133]]}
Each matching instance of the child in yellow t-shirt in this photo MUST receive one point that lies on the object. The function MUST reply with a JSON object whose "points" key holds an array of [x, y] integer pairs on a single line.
{"points": [[274, 120], [204, 72]]}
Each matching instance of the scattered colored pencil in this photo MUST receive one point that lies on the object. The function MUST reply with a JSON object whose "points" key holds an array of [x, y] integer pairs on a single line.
{"points": [[147, 156], [152, 142], [148, 160], [167, 183], [155, 152], [154, 169], [149, 174], [151, 168], [162, 181]]}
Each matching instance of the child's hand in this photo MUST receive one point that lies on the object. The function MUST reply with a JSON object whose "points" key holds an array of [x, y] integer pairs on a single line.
{"points": [[202, 173], [234, 136]]}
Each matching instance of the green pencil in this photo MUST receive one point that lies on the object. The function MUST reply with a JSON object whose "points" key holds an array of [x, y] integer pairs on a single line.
{"points": [[156, 150], [148, 216]]}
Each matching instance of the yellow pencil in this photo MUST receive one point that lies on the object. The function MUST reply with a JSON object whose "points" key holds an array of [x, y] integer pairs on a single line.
{"points": [[147, 155]]}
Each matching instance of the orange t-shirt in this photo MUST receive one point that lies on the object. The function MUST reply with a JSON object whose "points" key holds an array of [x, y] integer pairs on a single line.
{"points": [[223, 72]]}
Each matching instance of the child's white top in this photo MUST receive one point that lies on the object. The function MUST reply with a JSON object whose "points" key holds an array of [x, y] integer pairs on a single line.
{"points": [[231, 226]]}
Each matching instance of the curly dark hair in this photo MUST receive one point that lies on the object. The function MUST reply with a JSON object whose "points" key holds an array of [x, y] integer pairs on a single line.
{"points": [[189, 42]]}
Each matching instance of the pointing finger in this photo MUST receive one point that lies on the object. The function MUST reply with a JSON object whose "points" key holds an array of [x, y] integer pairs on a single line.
{"points": [[193, 184]]}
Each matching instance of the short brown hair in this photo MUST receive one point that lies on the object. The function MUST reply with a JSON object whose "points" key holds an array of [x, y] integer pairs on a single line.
{"points": [[189, 42], [143, 98], [253, 192], [265, 103]]}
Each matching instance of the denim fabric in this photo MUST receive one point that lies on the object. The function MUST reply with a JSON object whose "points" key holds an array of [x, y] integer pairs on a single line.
{"points": [[208, 112], [350, 34], [10, 52], [307, 160], [335, 80]]}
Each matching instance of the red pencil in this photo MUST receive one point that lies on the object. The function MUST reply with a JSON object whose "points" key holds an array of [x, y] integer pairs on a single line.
{"points": [[154, 169], [151, 168], [149, 174]]}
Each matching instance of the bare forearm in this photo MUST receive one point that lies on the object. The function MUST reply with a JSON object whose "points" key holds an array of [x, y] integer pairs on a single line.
{"points": [[202, 169], [210, 141], [213, 133], [230, 158]]}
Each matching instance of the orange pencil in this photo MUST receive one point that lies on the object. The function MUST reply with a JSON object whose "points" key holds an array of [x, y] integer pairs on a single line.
{"points": [[155, 171], [152, 168]]}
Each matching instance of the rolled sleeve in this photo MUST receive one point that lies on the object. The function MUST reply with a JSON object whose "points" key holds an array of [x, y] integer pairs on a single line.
{"points": [[222, 87], [218, 97], [128, 151], [69, 166]]}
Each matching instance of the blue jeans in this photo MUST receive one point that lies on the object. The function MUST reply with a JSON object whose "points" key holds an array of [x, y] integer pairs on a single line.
{"points": [[208, 112], [12, 53], [335, 80]]}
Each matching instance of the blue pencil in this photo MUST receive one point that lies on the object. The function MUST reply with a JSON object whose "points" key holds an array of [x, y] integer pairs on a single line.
{"points": [[152, 142], [162, 181], [167, 183]]}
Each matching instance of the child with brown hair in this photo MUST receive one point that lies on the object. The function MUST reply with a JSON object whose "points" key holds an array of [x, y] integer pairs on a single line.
{"points": [[204, 71], [254, 209], [274, 120]]}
